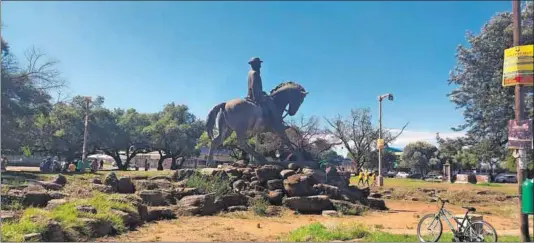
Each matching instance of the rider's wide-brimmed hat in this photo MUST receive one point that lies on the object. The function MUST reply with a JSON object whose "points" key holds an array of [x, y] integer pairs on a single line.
{"points": [[255, 60]]}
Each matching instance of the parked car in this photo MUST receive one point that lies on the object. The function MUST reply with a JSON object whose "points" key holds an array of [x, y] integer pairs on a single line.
{"points": [[391, 174], [506, 178], [401, 174], [433, 176], [416, 176]]}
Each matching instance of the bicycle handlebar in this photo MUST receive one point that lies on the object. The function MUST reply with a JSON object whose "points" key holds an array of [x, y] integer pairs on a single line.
{"points": [[443, 200]]}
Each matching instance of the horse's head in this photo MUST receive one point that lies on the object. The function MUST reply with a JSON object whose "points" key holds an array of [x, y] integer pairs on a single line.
{"points": [[289, 94]]}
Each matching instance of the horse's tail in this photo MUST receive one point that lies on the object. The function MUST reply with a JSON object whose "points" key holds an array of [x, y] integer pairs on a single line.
{"points": [[212, 117]]}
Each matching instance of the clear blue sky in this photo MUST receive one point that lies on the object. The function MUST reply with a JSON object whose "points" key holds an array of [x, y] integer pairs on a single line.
{"points": [[146, 54]]}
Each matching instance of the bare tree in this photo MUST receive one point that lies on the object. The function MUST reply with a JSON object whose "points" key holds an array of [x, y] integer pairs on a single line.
{"points": [[358, 134]]}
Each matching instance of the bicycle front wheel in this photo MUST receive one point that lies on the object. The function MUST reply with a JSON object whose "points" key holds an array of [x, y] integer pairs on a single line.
{"points": [[429, 228], [481, 231]]}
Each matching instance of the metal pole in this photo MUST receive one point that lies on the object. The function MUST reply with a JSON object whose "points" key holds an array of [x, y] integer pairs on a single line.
{"points": [[519, 109], [85, 133], [379, 178]]}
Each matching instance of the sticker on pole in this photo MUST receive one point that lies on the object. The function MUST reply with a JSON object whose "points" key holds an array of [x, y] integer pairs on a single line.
{"points": [[519, 134], [518, 66], [380, 144]]}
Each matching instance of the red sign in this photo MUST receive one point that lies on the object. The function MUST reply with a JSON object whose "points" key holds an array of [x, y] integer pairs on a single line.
{"points": [[520, 134]]}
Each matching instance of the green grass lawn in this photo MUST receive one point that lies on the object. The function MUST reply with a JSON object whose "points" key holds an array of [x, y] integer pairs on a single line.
{"points": [[510, 189], [317, 232]]}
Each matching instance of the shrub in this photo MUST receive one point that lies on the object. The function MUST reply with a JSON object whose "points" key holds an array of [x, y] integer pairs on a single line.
{"points": [[259, 206], [217, 184], [319, 232]]}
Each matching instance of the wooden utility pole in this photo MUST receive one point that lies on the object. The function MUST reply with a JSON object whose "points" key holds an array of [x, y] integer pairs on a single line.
{"points": [[519, 109]]}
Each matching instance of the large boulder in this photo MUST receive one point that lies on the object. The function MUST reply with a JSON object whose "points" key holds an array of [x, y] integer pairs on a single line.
{"points": [[86, 209], [199, 204], [129, 219], [98, 227], [55, 203], [160, 177], [246, 173], [152, 184], [125, 185], [181, 174], [111, 180], [210, 171], [275, 197], [153, 197], [53, 232], [299, 185], [58, 195], [60, 179], [36, 199], [233, 199], [50, 185], [348, 208], [268, 172], [318, 175], [275, 184], [233, 172], [331, 191], [158, 213], [376, 204], [286, 173], [311, 204], [354, 194], [179, 193]]}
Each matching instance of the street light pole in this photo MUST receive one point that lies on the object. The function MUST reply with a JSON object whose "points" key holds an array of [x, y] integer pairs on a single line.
{"points": [[85, 132], [380, 98]]}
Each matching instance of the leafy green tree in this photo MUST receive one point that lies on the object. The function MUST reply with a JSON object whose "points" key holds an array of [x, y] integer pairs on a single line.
{"points": [[418, 156], [229, 144], [173, 132], [486, 105]]}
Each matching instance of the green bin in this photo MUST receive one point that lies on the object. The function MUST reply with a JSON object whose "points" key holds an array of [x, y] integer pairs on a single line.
{"points": [[527, 197]]}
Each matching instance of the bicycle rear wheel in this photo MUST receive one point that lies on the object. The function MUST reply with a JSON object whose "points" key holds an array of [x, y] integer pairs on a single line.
{"points": [[429, 223], [481, 231]]}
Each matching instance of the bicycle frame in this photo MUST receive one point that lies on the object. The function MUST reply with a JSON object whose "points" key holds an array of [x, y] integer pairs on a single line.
{"points": [[448, 215]]}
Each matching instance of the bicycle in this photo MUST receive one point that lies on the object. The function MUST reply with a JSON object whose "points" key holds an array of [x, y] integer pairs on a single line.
{"points": [[467, 230]]}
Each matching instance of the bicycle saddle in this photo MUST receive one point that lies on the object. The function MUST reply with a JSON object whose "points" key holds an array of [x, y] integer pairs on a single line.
{"points": [[470, 209]]}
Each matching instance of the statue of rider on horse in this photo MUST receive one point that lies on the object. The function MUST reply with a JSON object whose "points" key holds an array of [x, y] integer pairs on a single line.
{"points": [[255, 114]]}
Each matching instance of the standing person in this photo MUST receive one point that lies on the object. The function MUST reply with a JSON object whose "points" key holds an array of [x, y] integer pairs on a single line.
{"points": [[101, 164], [4, 163], [360, 176], [367, 174], [94, 166], [147, 166], [71, 167], [79, 166]]}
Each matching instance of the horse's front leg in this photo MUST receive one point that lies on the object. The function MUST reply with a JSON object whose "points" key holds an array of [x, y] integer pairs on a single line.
{"points": [[242, 142]]}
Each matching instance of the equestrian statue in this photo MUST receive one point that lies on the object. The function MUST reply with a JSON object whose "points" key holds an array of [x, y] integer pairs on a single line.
{"points": [[257, 113]]}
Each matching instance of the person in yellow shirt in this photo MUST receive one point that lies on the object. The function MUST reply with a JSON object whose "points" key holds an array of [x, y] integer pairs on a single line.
{"points": [[360, 177]]}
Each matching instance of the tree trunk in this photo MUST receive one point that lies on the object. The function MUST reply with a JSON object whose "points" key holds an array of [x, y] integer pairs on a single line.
{"points": [[173, 164], [160, 162]]}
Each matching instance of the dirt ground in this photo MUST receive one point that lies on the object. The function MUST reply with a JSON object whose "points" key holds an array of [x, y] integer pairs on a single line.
{"points": [[402, 218]]}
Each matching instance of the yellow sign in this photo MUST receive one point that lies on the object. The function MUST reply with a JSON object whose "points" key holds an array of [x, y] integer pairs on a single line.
{"points": [[380, 143], [518, 67]]}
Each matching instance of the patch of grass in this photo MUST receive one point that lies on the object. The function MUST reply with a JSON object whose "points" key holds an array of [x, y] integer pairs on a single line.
{"points": [[33, 220], [259, 206], [488, 184], [216, 184], [380, 236], [317, 232]]}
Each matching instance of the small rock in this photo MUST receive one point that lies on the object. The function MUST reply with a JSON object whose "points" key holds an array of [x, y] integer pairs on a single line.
{"points": [[182, 174], [50, 185], [293, 166], [414, 199], [348, 208], [139, 177], [255, 183], [329, 213], [7, 216], [95, 181], [482, 192], [33, 237], [275, 184], [125, 185], [55, 203], [60, 179], [86, 209], [103, 188], [199, 204], [237, 208], [376, 204], [129, 219], [58, 195], [432, 200], [233, 172], [239, 185], [375, 195]]}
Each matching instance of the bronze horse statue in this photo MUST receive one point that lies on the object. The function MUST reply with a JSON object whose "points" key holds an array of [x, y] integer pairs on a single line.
{"points": [[247, 118]]}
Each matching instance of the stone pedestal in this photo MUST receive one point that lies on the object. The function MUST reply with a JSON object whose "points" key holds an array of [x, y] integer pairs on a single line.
{"points": [[447, 175]]}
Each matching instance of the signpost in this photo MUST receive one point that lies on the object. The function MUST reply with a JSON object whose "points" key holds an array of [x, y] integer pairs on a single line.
{"points": [[518, 67]]}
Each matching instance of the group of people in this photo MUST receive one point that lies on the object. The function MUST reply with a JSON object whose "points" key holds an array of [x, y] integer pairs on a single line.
{"points": [[49, 165], [365, 176]]}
